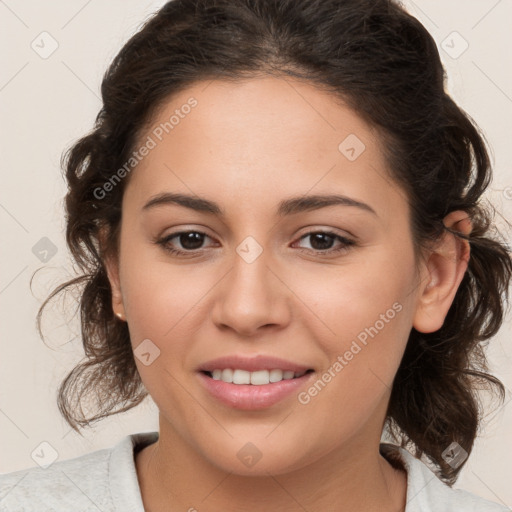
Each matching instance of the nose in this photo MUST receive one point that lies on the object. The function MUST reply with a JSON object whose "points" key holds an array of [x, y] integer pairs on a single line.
{"points": [[252, 298]]}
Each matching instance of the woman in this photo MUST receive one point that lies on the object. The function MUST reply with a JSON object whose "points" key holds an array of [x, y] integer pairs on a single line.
{"points": [[277, 216]]}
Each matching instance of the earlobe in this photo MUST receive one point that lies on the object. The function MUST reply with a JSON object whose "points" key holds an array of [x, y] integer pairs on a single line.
{"points": [[112, 268], [445, 268], [117, 296]]}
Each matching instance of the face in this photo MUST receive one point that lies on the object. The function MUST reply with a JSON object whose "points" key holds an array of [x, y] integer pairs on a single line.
{"points": [[328, 287]]}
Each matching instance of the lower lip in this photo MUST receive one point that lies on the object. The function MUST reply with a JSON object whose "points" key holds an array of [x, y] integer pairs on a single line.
{"points": [[251, 397]]}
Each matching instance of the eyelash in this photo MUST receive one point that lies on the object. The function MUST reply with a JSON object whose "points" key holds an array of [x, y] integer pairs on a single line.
{"points": [[346, 243]]}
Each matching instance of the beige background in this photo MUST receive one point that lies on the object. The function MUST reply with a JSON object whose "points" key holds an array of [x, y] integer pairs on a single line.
{"points": [[46, 103]]}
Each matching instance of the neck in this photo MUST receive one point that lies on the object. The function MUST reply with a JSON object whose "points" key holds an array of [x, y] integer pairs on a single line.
{"points": [[354, 477]]}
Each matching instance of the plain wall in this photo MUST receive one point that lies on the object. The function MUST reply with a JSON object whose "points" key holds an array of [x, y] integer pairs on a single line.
{"points": [[47, 103]]}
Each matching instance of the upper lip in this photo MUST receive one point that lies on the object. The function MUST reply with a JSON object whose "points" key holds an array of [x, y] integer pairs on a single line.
{"points": [[252, 364]]}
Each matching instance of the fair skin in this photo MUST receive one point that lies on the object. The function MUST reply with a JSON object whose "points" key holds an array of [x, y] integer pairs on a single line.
{"points": [[247, 147]]}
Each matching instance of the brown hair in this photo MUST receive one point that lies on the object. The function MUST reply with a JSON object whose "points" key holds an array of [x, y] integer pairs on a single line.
{"points": [[384, 63]]}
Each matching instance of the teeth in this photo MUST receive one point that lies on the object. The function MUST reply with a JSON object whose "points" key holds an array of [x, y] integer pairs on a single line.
{"points": [[257, 378], [275, 375], [241, 377], [227, 375]]}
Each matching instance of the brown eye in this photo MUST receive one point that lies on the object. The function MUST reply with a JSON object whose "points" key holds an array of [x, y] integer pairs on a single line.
{"points": [[187, 242], [322, 241], [191, 240]]}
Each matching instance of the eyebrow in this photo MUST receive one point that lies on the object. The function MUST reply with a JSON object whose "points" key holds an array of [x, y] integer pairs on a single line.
{"points": [[286, 207]]}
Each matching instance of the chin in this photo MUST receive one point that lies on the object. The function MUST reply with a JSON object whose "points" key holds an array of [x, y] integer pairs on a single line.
{"points": [[258, 458], [275, 464]]}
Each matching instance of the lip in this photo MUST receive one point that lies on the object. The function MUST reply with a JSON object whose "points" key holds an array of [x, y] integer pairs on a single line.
{"points": [[252, 364], [250, 397]]}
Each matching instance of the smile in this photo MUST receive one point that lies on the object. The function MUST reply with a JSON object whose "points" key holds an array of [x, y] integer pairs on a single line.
{"points": [[252, 390], [256, 378]]}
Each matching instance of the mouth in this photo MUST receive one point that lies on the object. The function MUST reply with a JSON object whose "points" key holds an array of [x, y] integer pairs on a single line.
{"points": [[254, 378], [252, 383]]}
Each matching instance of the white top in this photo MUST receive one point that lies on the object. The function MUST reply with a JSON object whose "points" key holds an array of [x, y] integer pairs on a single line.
{"points": [[106, 480]]}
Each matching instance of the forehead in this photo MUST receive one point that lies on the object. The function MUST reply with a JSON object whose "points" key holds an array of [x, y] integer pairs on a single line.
{"points": [[267, 110], [260, 136]]}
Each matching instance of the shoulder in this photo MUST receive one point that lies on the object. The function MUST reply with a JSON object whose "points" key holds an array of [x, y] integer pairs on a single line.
{"points": [[427, 493], [72, 483], [88, 482]]}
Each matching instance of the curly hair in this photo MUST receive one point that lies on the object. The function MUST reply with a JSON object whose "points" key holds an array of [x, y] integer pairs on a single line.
{"points": [[384, 64]]}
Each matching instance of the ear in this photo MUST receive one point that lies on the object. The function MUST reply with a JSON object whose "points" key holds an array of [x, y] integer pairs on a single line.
{"points": [[112, 266], [446, 266]]}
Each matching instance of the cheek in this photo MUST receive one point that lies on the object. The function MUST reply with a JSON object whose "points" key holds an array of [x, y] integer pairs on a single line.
{"points": [[371, 327], [365, 299], [160, 297], [362, 320]]}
